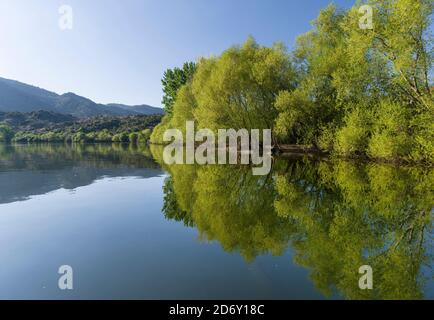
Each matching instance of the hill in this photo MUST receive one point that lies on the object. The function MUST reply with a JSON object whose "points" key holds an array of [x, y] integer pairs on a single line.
{"points": [[41, 122], [20, 97]]}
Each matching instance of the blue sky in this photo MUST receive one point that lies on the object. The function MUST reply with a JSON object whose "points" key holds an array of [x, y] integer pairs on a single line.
{"points": [[118, 50]]}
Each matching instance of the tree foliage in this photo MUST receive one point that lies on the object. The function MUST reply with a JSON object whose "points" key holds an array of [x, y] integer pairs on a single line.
{"points": [[134, 129], [235, 90], [364, 91], [6, 133], [173, 80], [348, 90]]}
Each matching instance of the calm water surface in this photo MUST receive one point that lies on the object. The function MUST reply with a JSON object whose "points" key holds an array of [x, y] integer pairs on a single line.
{"points": [[131, 227]]}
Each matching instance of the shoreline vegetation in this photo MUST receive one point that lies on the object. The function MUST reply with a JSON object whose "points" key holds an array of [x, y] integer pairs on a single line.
{"points": [[43, 127], [344, 91]]}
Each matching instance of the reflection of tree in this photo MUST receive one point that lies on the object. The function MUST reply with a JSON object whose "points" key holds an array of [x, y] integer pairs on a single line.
{"points": [[171, 208], [229, 205], [336, 216], [34, 169], [236, 208], [349, 216], [46, 156]]}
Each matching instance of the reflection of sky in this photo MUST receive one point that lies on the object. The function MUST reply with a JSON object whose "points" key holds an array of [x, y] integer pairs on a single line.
{"points": [[116, 239], [427, 268], [20, 185]]}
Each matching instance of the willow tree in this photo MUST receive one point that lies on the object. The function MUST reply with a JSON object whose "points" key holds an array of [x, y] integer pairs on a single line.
{"points": [[235, 90], [402, 34], [238, 89], [305, 112], [351, 76]]}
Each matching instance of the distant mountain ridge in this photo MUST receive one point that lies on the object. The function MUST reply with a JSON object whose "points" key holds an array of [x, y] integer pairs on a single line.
{"points": [[20, 97]]}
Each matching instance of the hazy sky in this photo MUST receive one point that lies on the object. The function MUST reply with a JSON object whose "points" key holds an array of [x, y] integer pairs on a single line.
{"points": [[118, 50]]}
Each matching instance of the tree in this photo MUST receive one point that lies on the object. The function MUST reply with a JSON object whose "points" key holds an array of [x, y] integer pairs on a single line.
{"points": [[173, 80], [104, 136], [144, 136], [403, 36], [121, 137], [6, 133], [235, 90], [238, 89], [347, 75], [345, 89], [79, 137], [133, 137]]}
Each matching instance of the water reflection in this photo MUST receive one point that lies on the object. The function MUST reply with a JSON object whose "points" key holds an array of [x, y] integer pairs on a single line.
{"points": [[330, 216], [335, 215], [27, 170]]}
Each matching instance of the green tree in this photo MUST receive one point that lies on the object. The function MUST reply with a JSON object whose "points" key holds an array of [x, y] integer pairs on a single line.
{"points": [[121, 137], [79, 137], [144, 136], [238, 89], [347, 75], [235, 90], [103, 136], [6, 133], [173, 80], [133, 137]]}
